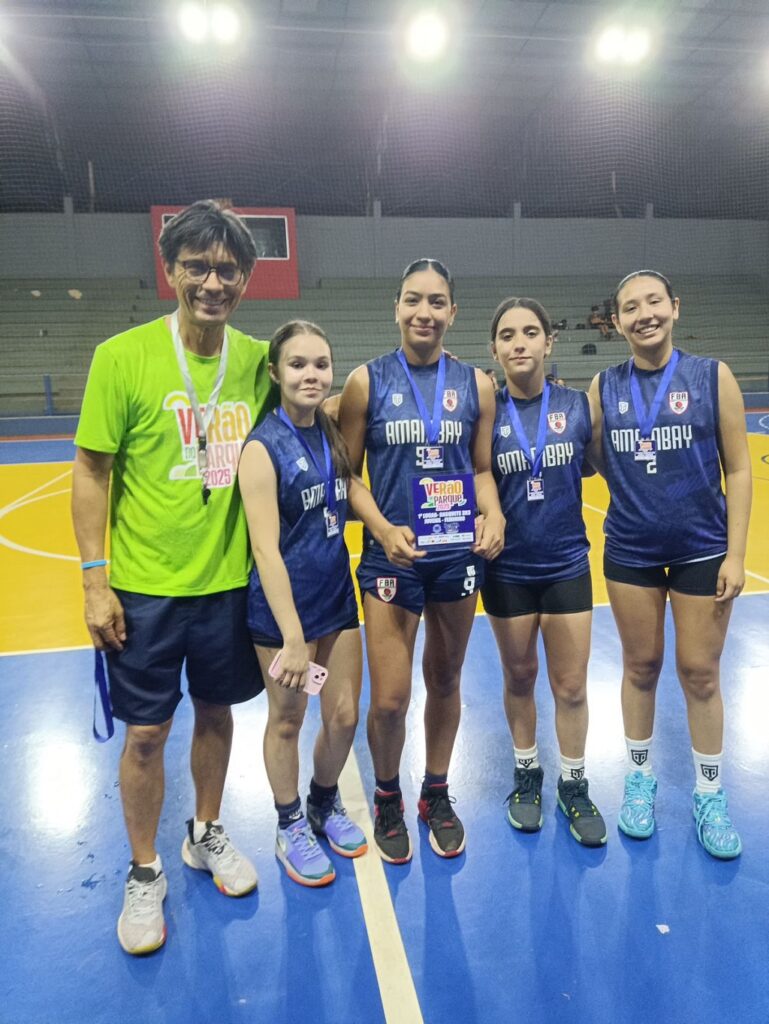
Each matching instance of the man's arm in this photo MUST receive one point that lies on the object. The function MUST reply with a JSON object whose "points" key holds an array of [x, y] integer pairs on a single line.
{"points": [[90, 498]]}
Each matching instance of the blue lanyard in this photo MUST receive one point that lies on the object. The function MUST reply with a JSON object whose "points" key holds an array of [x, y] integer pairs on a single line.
{"points": [[329, 479], [523, 441], [432, 426], [646, 419], [101, 695]]}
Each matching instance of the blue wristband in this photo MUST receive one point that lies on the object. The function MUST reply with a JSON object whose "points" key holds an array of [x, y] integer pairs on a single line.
{"points": [[94, 565]]}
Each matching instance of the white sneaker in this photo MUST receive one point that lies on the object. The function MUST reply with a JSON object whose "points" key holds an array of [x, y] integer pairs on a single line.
{"points": [[141, 927], [233, 874]]}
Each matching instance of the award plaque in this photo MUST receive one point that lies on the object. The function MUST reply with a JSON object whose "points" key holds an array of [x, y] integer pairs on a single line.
{"points": [[443, 510]]}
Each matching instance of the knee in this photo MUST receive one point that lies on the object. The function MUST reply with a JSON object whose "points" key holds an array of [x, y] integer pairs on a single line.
{"points": [[388, 709], [343, 719], [643, 673], [287, 727], [699, 682], [143, 743], [570, 691], [212, 716], [520, 678]]}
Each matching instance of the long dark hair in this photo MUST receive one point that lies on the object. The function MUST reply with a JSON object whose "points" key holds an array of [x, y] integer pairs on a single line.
{"points": [[285, 333]]}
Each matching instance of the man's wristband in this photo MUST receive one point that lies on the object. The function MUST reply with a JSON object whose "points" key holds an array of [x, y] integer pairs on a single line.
{"points": [[97, 564]]}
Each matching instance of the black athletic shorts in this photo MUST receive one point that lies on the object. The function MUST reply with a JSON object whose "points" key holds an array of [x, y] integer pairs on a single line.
{"points": [[562, 597], [697, 578], [209, 633]]}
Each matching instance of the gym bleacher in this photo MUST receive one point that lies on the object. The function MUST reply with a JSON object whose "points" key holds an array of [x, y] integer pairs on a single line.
{"points": [[49, 327]]}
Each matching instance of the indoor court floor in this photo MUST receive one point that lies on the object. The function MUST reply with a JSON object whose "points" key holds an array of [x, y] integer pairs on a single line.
{"points": [[531, 928]]}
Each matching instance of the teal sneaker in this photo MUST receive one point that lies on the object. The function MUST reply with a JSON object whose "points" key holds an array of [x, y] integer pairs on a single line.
{"points": [[636, 816], [298, 851], [714, 826], [343, 835]]}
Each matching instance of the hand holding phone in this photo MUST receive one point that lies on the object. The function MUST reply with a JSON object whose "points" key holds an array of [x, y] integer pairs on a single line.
{"points": [[314, 679]]}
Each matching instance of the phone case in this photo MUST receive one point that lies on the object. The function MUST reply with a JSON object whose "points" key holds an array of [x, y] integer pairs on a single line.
{"points": [[316, 675]]}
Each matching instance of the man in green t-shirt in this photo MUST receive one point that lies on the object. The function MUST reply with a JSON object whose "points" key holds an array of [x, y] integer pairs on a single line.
{"points": [[166, 409]]}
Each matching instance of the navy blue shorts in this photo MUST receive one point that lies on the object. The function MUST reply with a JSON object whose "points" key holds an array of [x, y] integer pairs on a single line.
{"points": [[428, 580], [553, 597], [696, 578], [209, 633]]}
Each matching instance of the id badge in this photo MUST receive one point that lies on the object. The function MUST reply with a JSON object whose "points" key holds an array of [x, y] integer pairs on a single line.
{"points": [[332, 523], [645, 450], [535, 489], [430, 456]]}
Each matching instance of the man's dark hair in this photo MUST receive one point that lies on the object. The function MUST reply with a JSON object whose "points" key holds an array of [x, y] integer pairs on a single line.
{"points": [[207, 223]]}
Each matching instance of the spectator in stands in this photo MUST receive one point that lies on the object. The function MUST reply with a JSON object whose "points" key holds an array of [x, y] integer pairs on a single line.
{"points": [[672, 424], [596, 319], [166, 408]]}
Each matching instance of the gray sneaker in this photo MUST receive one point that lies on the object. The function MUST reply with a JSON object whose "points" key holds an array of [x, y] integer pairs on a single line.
{"points": [[524, 804], [233, 874], [141, 927]]}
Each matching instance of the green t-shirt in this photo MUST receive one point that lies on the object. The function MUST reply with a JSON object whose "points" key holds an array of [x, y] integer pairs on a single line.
{"points": [[164, 540]]}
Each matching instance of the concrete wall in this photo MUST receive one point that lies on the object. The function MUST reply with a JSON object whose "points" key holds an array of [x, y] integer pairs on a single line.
{"points": [[120, 245]]}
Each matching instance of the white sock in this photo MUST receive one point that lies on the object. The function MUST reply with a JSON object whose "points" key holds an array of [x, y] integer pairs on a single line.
{"points": [[526, 758], [707, 770], [199, 829], [639, 755], [154, 864], [572, 768]]}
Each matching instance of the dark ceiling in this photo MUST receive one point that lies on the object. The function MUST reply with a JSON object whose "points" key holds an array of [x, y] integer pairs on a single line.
{"points": [[318, 109]]}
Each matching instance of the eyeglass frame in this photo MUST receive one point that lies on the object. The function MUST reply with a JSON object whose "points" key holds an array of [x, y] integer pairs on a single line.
{"points": [[215, 267]]}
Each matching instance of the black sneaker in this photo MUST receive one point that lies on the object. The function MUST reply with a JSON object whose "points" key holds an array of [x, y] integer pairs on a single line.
{"points": [[390, 833], [524, 805], [585, 821], [447, 833]]}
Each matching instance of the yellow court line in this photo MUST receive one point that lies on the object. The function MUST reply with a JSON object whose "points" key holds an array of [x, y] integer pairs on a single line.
{"points": [[396, 985]]}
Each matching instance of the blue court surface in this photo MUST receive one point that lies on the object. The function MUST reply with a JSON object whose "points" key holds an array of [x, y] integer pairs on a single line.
{"points": [[531, 928]]}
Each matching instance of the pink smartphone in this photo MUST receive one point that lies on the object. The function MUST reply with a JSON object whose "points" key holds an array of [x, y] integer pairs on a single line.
{"points": [[316, 675]]}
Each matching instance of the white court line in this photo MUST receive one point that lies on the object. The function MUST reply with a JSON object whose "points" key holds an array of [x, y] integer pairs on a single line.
{"points": [[46, 650], [396, 986], [8, 543]]}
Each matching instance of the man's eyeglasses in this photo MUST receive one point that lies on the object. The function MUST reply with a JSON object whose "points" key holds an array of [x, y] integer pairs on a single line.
{"points": [[198, 272]]}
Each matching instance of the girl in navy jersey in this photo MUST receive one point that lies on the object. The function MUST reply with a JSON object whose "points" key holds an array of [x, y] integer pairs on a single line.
{"points": [[671, 423], [541, 581], [294, 477], [417, 416]]}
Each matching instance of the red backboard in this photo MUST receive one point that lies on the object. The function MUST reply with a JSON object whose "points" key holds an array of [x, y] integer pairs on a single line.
{"points": [[276, 274]]}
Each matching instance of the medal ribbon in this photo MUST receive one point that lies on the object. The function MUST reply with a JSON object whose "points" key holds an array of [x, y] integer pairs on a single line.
{"points": [[523, 441], [432, 426], [646, 420], [329, 478]]}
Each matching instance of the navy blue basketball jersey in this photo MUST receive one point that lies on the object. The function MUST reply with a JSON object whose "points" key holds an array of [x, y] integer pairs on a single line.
{"points": [[396, 436], [318, 566], [545, 540], [671, 509]]}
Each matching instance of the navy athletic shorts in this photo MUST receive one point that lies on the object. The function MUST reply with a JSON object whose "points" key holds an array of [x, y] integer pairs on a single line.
{"points": [[554, 597], [209, 633], [427, 581]]}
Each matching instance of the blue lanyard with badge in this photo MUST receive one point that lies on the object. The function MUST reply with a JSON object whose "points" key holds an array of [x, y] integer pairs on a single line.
{"points": [[330, 513], [202, 419], [535, 487], [645, 446], [430, 455]]}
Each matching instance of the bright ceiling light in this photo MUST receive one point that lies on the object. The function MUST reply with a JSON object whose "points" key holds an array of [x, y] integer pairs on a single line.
{"points": [[617, 45], [193, 22], [225, 23], [427, 36], [637, 45]]}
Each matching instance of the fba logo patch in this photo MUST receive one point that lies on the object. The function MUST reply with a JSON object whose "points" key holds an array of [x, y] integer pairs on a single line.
{"points": [[303, 464], [450, 400], [679, 401], [557, 421], [505, 430], [397, 399], [623, 408], [386, 587]]}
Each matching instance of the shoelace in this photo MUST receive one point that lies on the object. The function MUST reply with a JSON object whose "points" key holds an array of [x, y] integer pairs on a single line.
{"points": [[580, 801], [641, 789], [339, 814], [390, 816], [439, 808], [303, 839], [712, 811], [218, 844], [526, 789], [143, 898]]}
